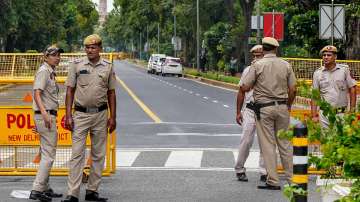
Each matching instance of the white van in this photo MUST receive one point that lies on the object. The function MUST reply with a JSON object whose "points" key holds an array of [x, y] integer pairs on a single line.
{"points": [[153, 60], [172, 66]]}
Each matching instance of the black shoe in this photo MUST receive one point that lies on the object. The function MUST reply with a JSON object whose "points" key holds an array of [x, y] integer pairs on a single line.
{"points": [[94, 196], [269, 187], [263, 178], [52, 194], [37, 195], [70, 199], [242, 177]]}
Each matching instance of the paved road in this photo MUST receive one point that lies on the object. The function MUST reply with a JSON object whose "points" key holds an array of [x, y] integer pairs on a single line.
{"points": [[183, 151], [192, 114]]}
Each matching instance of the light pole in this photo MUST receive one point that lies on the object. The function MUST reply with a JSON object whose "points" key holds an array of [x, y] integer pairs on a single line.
{"points": [[175, 40], [197, 36], [258, 37], [158, 44]]}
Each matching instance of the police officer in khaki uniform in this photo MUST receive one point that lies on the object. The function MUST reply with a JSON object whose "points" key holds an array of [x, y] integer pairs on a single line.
{"points": [[45, 106], [334, 83], [274, 85], [91, 87], [249, 126]]}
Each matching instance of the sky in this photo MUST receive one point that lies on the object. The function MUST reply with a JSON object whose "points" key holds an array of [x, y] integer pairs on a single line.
{"points": [[109, 4]]}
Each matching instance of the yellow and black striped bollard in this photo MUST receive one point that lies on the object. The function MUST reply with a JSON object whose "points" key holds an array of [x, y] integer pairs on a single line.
{"points": [[300, 160]]}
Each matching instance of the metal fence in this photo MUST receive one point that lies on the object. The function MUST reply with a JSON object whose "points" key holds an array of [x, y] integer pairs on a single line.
{"points": [[21, 67]]}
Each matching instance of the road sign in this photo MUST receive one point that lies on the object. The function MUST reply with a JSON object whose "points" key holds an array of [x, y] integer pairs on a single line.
{"points": [[332, 21], [176, 41], [254, 24], [274, 25]]}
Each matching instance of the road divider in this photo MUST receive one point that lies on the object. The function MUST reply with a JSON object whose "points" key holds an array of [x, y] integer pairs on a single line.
{"points": [[145, 108]]}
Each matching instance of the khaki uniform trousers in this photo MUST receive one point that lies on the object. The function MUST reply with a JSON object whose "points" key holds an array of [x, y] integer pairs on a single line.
{"points": [[246, 141], [48, 143], [96, 124], [273, 119]]}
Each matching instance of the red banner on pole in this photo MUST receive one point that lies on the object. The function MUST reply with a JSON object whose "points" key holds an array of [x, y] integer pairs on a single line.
{"points": [[274, 25]]}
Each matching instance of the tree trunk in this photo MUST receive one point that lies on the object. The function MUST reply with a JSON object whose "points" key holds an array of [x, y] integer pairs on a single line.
{"points": [[353, 38], [247, 7]]}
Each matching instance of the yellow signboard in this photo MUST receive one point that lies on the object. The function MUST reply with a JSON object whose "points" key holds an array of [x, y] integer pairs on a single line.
{"points": [[16, 126]]}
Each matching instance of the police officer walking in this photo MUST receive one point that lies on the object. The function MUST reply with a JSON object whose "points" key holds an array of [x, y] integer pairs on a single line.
{"points": [[248, 124], [334, 83], [91, 87], [45, 106], [274, 85]]}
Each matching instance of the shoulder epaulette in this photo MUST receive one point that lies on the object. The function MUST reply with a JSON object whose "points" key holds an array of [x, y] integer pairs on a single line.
{"points": [[106, 61]]}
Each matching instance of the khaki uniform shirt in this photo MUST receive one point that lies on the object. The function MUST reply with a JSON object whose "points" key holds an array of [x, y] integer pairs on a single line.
{"points": [[270, 77], [334, 84], [92, 81], [248, 95], [46, 82]]}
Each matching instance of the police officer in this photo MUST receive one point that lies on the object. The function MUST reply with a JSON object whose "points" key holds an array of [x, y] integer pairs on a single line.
{"points": [[91, 87], [334, 83], [45, 106], [274, 82], [248, 124]]}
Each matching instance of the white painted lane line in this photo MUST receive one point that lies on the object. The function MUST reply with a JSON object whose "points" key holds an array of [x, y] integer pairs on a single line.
{"points": [[199, 134], [252, 161], [226, 106], [126, 158], [190, 92], [206, 98], [197, 94], [187, 159], [215, 101]]}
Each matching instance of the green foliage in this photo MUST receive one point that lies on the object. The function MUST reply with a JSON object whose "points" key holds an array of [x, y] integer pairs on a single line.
{"points": [[35, 24], [291, 190], [340, 143], [212, 75]]}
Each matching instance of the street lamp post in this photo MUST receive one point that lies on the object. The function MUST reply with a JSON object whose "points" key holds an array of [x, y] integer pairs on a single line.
{"points": [[197, 36], [175, 40]]}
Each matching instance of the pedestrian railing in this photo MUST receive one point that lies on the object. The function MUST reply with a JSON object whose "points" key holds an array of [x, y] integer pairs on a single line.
{"points": [[19, 144], [21, 67]]}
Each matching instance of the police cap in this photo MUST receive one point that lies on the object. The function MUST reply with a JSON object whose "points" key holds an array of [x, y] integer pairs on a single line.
{"points": [[270, 41], [256, 48], [93, 39], [329, 48], [52, 49]]}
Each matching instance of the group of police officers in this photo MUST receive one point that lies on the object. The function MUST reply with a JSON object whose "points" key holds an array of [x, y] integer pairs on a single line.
{"points": [[91, 86], [267, 91], [268, 88]]}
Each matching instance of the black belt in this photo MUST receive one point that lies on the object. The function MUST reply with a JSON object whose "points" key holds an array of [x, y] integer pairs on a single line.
{"points": [[261, 105], [90, 109], [52, 112]]}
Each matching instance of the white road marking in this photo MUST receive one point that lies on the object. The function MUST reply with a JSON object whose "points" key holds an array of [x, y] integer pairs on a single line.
{"points": [[215, 101], [197, 94], [188, 159], [226, 106], [199, 134], [253, 160], [184, 123], [126, 158], [190, 92], [206, 98]]}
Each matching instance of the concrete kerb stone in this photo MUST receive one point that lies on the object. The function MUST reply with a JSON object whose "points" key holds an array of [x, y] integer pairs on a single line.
{"points": [[201, 79]]}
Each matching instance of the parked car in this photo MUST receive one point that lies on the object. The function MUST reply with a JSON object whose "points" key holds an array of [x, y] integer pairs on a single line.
{"points": [[158, 65], [153, 60], [172, 66]]}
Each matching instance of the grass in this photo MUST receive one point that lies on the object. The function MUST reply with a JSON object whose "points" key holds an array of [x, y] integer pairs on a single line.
{"points": [[212, 75]]}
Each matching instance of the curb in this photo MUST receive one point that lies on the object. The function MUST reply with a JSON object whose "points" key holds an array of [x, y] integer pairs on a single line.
{"points": [[6, 86]]}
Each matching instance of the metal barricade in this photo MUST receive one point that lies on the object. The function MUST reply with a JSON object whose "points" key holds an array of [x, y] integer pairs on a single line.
{"points": [[19, 144], [21, 67]]}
